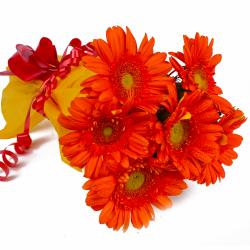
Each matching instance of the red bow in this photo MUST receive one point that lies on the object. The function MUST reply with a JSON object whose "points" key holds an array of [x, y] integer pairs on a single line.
{"points": [[39, 64]]}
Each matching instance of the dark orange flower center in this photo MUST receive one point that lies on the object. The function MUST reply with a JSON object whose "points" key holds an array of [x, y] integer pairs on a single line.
{"points": [[200, 79], [179, 133], [107, 130], [128, 77]]}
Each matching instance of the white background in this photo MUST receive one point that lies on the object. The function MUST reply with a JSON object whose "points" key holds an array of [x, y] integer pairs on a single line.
{"points": [[43, 207]]}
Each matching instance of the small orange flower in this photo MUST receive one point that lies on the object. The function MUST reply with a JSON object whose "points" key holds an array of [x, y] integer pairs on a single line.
{"points": [[200, 64], [189, 135], [227, 142], [126, 74], [129, 195], [100, 136]]}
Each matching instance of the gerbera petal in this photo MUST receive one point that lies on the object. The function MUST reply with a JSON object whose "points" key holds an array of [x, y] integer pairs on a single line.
{"points": [[116, 41], [103, 50], [106, 95], [98, 166], [163, 202], [197, 153], [101, 85], [135, 219], [143, 43], [91, 165], [120, 219], [155, 59], [160, 68], [131, 45], [144, 216], [215, 60], [117, 156], [147, 50], [234, 140], [80, 159], [125, 161], [126, 220], [96, 64], [106, 213], [71, 138]]}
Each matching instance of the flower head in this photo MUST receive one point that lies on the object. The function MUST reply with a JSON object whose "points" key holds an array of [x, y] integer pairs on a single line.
{"points": [[199, 64], [125, 74], [98, 136], [130, 194], [190, 133]]}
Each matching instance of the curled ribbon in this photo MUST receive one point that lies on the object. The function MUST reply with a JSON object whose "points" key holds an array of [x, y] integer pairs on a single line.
{"points": [[9, 158], [23, 142]]}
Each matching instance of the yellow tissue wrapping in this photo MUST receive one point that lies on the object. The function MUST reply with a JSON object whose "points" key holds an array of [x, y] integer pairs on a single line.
{"points": [[16, 100]]}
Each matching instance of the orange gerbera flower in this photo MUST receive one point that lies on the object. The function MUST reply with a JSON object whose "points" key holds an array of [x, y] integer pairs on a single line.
{"points": [[228, 141], [130, 194], [99, 136], [200, 63], [190, 134], [126, 74]]}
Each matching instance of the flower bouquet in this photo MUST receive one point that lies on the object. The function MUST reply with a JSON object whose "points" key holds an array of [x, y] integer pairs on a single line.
{"points": [[134, 123]]}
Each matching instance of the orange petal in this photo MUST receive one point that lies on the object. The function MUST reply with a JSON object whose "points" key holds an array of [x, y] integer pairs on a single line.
{"points": [[126, 220], [103, 50], [147, 50], [155, 59], [106, 96], [80, 159], [135, 219], [163, 202], [125, 161], [106, 213], [96, 64], [131, 45], [143, 43], [116, 41], [117, 156], [120, 219]]}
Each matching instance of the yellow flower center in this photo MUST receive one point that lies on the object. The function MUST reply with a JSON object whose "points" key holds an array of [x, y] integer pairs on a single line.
{"points": [[107, 131], [200, 80], [135, 181], [127, 81], [179, 133]]}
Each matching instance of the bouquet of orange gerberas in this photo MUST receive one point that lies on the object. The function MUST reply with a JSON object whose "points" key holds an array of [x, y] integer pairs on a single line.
{"points": [[135, 124]]}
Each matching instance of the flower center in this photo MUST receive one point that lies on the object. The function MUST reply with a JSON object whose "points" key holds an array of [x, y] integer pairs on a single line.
{"points": [[127, 81], [179, 133], [107, 130], [128, 77], [135, 181], [200, 80]]}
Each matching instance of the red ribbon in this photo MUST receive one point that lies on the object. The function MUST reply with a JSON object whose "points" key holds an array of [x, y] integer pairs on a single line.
{"points": [[24, 140], [6, 73], [20, 146]]}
